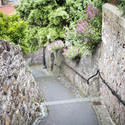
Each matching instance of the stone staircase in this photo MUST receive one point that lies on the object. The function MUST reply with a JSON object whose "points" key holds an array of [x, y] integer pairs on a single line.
{"points": [[65, 107]]}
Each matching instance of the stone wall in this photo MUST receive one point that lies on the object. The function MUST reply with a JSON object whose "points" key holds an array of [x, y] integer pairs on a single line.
{"points": [[35, 58], [109, 59], [87, 66], [20, 97], [112, 60]]}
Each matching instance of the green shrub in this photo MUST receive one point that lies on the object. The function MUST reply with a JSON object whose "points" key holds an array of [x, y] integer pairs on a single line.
{"points": [[51, 16], [12, 28], [48, 18]]}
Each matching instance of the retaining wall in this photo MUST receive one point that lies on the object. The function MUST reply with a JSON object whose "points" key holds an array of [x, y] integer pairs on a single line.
{"points": [[109, 59], [112, 60]]}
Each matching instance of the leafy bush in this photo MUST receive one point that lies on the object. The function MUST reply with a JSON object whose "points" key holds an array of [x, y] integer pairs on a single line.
{"points": [[12, 28], [16, 30], [50, 16], [96, 3]]}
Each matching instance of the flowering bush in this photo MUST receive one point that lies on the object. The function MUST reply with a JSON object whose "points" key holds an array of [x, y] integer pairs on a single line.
{"points": [[55, 46], [89, 28], [86, 24], [72, 53], [87, 32], [82, 26], [91, 12]]}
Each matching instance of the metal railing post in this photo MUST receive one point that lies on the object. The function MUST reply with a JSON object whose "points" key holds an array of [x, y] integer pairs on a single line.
{"points": [[44, 60]]}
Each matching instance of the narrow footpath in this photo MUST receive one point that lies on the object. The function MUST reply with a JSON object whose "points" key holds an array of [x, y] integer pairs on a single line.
{"points": [[78, 113]]}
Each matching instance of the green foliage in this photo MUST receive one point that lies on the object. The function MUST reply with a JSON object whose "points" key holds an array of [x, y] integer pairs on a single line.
{"points": [[86, 34], [42, 35], [71, 38], [57, 16], [45, 20], [30, 42], [12, 28], [122, 6], [95, 36], [50, 17], [75, 9], [96, 3], [3, 26]]}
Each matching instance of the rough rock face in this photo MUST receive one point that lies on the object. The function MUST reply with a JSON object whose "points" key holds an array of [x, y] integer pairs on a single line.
{"points": [[109, 59], [112, 61], [35, 58], [87, 66], [19, 96]]}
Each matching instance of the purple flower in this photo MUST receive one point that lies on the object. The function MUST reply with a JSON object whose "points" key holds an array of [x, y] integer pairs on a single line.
{"points": [[91, 12], [86, 23], [82, 26], [90, 7]]}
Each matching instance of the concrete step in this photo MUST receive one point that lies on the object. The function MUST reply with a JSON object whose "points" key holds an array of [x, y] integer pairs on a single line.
{"points": [[64, 108], [69, 101]]}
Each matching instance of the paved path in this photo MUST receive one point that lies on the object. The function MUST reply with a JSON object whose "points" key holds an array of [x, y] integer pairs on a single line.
{"points": [[79, 113]]}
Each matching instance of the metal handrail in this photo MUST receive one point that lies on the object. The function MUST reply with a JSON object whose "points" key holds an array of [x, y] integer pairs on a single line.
{"points": [[98, 73]]}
